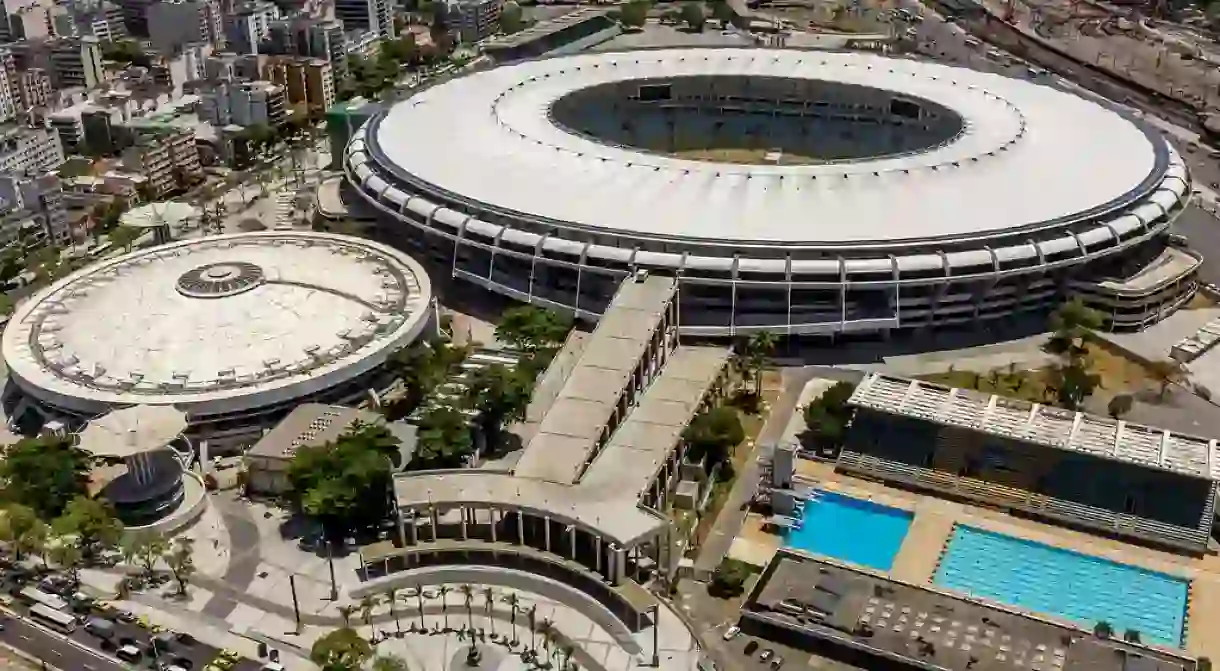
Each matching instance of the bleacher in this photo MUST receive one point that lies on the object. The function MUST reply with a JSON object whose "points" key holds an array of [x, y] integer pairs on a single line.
{"points": [[1086, 471]]}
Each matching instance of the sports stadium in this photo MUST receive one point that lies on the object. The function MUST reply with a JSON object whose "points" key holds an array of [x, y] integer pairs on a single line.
{"points": [[797, 192], [234, 330]]}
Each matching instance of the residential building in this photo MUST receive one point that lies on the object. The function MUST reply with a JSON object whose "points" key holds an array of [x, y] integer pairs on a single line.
{"points": [[364, 44], [33, 202], [242, 103], [166, 156], [66, 124], [29, 150], [375, 16], [173, 24], [104, 22], [72, 62], [312, 38], [473, 19], [9, 77], [135, 16], [249, 25], [306, 81], [34, 20], [33, 89]]}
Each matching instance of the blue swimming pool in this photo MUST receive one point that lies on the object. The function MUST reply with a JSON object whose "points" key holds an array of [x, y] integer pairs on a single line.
{"points": [[856, 531], [1071, 585]]}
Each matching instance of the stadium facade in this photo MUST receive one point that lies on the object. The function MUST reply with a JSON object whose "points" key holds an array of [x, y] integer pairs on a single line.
{"points": [[791, 191]]}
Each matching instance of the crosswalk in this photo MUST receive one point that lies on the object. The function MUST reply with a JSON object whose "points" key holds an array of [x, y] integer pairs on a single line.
{"points": [[284, 210]]}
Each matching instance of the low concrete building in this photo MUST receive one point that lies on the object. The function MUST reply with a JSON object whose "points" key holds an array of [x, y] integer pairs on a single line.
{"points": [[310, 425]]}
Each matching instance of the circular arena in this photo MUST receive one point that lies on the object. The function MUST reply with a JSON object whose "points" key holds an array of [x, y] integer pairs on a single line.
{"points": [[793, 191], [235, 330]]}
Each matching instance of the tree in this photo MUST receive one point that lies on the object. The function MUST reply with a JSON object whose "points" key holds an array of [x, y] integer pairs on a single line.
{"points": [[44, 473], [150, 547], [530, 328], [1103, 629], [389, 663], [514, 603], [826, 416], [634, 14], [346, 611], [511, 18], [1070, 324], [1072, 383], [367, 604], [729, 579], [92, 522], [64, 552], [1165, 372], [713, 434], [422, 367], [124, 237], [181, 561], [694, 16], [391, 600], [444, 590], [500, 395], [468, 598], [721, 12], [18, 524], [752, 356], [489, 601], [341, 650], [1120, 405], [443, 439], [343, 484], [547, 629]]}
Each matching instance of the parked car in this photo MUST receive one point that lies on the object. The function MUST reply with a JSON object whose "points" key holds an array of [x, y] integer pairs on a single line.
{"points": [[777, 662], [751, 647], [731, 632], [765, 655], [129, 653]]}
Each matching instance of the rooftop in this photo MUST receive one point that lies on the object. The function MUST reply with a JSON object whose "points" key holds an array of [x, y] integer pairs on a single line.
{"points": [[928, 628], [512, 155], [310, 424], [545, 28], [218, 324], [1015, 419], [570, 431]]}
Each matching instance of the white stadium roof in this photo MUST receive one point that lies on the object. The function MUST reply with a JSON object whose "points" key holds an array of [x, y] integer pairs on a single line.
{"points": [[1030, 154], [218, 324]]}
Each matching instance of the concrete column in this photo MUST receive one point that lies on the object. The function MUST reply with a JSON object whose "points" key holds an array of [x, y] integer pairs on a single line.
{"points": [[597, 553], [414, 527], [491, 515], [572, 536], [547, 531], [619, 563], [520, 527], [432, 516], [402, 528], [465, 513]]}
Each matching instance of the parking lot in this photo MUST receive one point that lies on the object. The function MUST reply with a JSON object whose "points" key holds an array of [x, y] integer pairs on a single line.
{"points": [[793, 658]]}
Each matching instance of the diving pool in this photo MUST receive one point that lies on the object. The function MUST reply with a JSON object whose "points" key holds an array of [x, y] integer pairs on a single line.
{"points": [[1066, 584], [853, 530]]}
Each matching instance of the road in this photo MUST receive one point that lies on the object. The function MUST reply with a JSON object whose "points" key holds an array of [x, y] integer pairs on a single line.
{"points": [[54, 649]]}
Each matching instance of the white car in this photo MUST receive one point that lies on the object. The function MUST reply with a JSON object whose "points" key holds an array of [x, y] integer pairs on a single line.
{"points": [[731, 633]]}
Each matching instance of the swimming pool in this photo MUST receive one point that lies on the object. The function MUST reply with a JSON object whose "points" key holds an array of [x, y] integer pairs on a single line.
{"points": [[853, 530], [1071, 585]]}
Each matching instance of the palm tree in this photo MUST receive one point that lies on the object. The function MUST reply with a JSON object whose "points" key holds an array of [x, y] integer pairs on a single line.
{"points": [[391, 598], [759, 348], [346, 612], [444, 589], [567, 651], [547, 629], [490, 598], [468, 596], [533, 613], [367, 604], [419, 595], [513, 603]]}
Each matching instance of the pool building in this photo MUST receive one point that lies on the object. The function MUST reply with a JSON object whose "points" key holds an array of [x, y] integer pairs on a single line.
{"points": [[849, 529], [876, 622]]}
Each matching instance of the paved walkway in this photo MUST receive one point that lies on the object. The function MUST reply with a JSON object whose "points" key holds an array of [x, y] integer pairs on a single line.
{"points": [[243, 563]]}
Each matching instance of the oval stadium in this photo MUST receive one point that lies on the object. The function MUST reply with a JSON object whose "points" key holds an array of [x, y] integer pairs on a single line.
{"points": [[799, 192], [234, 330]]}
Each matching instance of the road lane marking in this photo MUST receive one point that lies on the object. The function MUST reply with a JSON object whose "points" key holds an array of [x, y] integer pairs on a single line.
{"points": [[23, 637], [57, 653]]}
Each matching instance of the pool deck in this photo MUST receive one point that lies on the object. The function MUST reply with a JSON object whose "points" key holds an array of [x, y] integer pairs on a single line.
{"points": [[935, 518]]}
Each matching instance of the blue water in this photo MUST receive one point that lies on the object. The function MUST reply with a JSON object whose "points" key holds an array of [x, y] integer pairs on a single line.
{"points": [[1071, 585], [860, 532]]}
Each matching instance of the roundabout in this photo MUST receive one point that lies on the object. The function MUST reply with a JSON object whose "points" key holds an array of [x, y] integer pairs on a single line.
{"points": [[791, 191]]}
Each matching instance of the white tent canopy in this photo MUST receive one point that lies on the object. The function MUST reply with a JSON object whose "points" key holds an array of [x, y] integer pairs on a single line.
{"points": [[169, 213], [124, 433]]}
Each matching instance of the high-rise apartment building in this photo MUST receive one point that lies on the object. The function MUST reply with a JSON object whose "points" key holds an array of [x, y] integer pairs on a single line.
{"points": [[375, 16], [249, 25], [312, 38], [29, 150], [10, 76], [172, 24], [36, 201], [33, 89], [166, 156], [70, 61], [135, 16], [306, 81], [473, 20], [242, 103]]}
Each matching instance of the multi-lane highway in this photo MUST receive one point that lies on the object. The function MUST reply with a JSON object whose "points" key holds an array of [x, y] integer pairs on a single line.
{"points": [[53, 649]]}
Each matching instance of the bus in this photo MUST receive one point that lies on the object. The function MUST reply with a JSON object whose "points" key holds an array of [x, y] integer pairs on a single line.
{"points": [[38, 597], [55, 619]]}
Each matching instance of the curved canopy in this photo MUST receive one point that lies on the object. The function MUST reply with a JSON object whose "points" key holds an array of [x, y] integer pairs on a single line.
{"points": [[129, 431], [169, 213]]}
